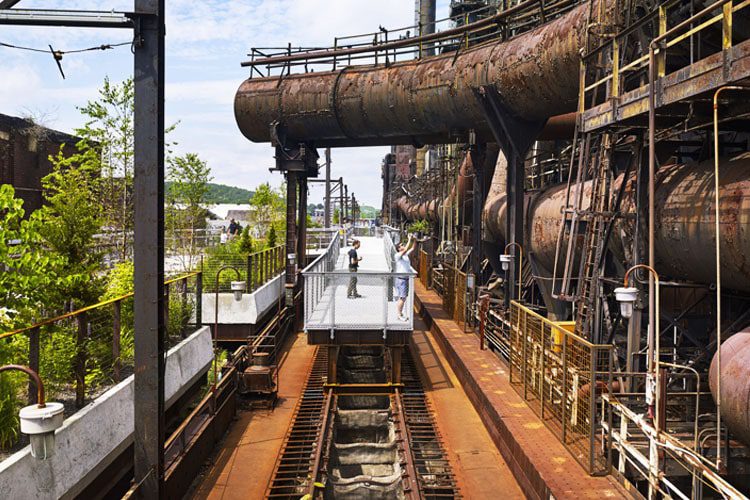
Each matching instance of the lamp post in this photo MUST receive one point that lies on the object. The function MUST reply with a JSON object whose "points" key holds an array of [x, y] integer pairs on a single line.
{"points": [[506, 259], [40, 420], [238, 287], [626, 297]]}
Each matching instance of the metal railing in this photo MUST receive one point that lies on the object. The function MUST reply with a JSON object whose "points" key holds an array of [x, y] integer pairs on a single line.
{"points": [[375, 310], [257, 268], [319, 238], [363, 231], [560, 375], [327, 291], [627, 68], [313, 275], [82, 353], [403, 44]]}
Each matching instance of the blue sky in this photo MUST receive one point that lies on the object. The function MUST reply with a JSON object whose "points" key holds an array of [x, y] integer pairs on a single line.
{"points": [[206, 40]]}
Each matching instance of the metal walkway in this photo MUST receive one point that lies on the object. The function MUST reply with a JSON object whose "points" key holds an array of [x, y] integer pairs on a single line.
{"points": [[327, 281]]}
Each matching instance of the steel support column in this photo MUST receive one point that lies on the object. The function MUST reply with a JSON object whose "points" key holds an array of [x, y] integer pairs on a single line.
{"points": [[297, 162], [302, 223], [291, 234], [346, 205], [515, 136], [149, 248]]}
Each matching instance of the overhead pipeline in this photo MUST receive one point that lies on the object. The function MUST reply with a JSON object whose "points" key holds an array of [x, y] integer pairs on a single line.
{"points": [[428, 101]]}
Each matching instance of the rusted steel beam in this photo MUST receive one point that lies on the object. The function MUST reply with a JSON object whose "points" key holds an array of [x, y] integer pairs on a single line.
{"points": [[422, 101]]}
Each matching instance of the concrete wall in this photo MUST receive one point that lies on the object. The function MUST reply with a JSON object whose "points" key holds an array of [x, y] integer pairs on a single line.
{"points": [[89, 440], [246, 311]]}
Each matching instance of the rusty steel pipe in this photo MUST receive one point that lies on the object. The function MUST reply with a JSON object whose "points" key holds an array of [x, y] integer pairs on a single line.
{"points": [[427, 101], [432, 209], [735, 383], [684, 221]]}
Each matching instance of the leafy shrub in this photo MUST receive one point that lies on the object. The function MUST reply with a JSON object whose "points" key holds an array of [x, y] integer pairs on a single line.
{"points": [[245, 244], [419, 226]]}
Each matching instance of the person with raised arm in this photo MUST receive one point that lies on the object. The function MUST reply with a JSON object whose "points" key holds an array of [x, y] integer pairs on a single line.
{"points": [[403, 266]]}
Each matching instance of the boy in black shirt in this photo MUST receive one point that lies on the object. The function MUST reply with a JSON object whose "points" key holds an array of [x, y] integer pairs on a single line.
{"points": [[354, 260]]}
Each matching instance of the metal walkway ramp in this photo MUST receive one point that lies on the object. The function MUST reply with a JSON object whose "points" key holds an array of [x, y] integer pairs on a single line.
{"points": [[331, 316]]}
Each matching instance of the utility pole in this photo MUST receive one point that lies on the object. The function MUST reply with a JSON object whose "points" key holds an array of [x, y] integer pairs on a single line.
{"points": [[341, 201], [346, 202], [327, 201]]}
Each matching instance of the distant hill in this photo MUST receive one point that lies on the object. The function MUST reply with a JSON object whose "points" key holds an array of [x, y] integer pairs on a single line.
{"points": [[221, 193], [368, 212]]}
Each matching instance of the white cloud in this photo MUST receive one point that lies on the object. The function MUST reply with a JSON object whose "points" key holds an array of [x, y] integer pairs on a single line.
{"points": [[206, 41]]}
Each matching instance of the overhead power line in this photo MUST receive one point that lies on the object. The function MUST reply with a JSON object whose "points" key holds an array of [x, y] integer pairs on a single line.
{"points": [[57, 55]]}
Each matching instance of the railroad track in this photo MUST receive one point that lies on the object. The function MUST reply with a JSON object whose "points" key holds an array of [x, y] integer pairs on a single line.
{"points": [[317, 459], [293, 466], [432, 468]]}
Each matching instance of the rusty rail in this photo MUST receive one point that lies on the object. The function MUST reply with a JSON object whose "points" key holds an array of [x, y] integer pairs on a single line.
{"points": [[294, 465]]}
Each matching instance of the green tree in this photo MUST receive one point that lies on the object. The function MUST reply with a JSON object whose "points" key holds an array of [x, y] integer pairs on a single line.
{"points": [[188, 177], [69, 220], [109, 130], [336, 216], [267, 207], [245, 244], [30, 277], [271, 237], [109, 126]]}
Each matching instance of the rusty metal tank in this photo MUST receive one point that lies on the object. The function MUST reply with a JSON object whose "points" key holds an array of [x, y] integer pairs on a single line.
{"points": [[684, 238], [428, 101], [735, 384]]}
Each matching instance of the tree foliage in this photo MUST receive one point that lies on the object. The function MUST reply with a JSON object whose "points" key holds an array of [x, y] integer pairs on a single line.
{"points": [[29, 274], [109, 126], [109, 131], [267, 209], [71, 217], [30, 279]]}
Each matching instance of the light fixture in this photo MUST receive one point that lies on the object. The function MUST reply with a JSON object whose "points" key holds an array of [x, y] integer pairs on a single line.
{"points": [[41, 420], [626, 296], [238, 288], [40, 423], [505, 260]]}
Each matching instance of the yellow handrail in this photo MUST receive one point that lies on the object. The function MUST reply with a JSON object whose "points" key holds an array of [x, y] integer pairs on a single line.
{"points": [[72, 314]]}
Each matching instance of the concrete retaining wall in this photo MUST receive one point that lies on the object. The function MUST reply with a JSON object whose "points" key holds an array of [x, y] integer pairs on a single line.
{"points": [[92, 438], [246, 311]]}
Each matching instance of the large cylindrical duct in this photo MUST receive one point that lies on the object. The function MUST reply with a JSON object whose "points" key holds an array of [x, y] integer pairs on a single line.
{"points": [[427, 101], [684, 239], [735, 384], [432, 209]]}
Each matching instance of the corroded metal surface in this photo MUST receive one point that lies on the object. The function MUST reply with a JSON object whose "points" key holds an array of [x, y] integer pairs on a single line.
{"points": [[684, 239], [431, 209], [735, 383], [426, 101]]}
